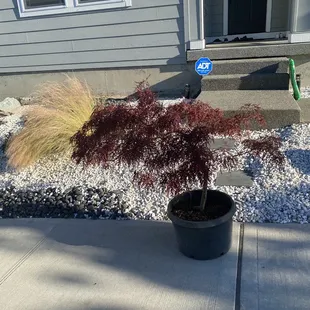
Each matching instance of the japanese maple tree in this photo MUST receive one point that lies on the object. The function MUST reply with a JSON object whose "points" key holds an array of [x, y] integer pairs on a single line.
{"points": [[171, 145]]}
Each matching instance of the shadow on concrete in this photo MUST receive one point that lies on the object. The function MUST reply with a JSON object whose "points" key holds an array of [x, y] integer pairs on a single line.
{"points": [[133, 252], [275, 267], [266, 78], [175, 84]]}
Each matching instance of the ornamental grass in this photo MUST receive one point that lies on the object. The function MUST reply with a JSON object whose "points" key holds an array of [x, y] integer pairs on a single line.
{"points": [[61, 111]]}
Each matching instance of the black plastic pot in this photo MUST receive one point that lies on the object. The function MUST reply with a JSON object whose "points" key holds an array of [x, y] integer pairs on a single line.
{"points": [[203, 240]]}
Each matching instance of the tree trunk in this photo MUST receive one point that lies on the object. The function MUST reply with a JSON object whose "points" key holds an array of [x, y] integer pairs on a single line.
{"points": [[203, 201]]}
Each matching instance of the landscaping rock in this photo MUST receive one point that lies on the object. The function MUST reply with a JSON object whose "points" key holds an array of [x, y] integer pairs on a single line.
{"points": [[14, 204], [25, 100], [5, 142], [304, 105], [9, 104], [234, 178], [4, 113], [277, 196]]}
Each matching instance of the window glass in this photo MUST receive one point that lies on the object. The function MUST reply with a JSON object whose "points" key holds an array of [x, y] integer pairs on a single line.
{"points": [[52, 7], [30, 4], [87, 1]]}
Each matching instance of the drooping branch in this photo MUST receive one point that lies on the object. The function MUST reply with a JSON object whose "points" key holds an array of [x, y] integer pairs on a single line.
{"points": [[170, 144]]}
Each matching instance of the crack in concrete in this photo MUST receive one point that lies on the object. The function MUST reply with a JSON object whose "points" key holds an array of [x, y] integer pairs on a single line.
{"points": [[10, 272], [239, 269]]}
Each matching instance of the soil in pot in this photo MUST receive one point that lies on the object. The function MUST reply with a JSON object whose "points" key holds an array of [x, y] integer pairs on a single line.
{"points": [[187, 207], [212, 212]]}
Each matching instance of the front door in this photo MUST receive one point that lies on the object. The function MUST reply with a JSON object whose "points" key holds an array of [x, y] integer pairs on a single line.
{"points": [[247, 16]]}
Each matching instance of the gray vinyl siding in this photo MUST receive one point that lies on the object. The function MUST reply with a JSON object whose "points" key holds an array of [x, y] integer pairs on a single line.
{"points": [[214, 10], [280, 15], [148, 33]]}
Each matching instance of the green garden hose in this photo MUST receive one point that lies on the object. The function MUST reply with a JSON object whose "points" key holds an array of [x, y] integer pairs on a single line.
{"points": [[296, 90]]}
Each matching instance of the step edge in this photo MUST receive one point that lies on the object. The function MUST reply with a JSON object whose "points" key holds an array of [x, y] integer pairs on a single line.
{"points": [[232, 76], [252, 60]]}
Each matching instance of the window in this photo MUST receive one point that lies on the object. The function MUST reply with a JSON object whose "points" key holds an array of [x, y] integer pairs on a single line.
{"points": [[48, 7], [30, 4]]}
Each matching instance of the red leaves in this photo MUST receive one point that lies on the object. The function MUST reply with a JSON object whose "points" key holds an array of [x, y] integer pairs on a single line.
{"points": [[171, 145], [145, 96], [267, 148], [144, 179]]}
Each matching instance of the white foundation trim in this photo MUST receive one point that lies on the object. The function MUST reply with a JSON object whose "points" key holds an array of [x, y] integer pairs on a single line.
{"points": [[197, 45]]}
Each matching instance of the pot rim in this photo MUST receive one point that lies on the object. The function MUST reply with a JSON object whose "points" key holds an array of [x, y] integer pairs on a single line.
{"points": [[201, 224]]}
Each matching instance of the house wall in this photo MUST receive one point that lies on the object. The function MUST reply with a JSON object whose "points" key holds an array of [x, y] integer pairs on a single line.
{"points": [[148, 33], [167, 80], [280, 15], [110, 49]]}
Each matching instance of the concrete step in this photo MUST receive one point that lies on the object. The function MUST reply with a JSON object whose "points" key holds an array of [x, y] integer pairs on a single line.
{"points": [[237, 178], [277, 106], [304, 105], [256, 50], [223, 143], [247, 66], [268, 81]]}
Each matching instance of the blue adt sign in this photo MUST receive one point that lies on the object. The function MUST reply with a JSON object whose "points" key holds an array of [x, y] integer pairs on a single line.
{"points": [[203, 66]]}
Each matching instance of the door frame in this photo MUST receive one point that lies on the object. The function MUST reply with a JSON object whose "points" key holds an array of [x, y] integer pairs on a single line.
{"points": [[225, 17], [294, 36]]}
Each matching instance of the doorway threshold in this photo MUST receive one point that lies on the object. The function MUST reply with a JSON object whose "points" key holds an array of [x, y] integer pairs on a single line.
{"points": [[246, 43]]}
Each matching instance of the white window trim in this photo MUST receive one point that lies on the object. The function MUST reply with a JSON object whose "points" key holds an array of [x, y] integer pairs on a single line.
{"points": [[197, 45], [72, 6], [299, 37], [294, 36]]}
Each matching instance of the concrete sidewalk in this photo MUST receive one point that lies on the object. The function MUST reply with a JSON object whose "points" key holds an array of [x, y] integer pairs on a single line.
{"points": [[132, 265]]}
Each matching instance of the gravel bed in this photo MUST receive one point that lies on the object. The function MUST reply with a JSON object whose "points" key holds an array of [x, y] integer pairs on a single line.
{"points": [[305, 92], [56, 187]]}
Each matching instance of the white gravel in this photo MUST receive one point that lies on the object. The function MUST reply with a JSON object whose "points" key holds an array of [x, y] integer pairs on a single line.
{"points": [[305, 92], [278, 195]]}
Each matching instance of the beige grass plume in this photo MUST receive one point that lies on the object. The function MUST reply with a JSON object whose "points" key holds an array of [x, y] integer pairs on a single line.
{"points": [[63, 109]]}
